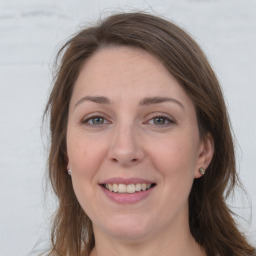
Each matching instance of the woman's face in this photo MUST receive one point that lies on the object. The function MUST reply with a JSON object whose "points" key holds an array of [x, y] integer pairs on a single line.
{"points": [[133, 145]]}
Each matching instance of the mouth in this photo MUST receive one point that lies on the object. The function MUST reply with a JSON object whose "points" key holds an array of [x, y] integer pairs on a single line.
{"points": [[128, 188]]}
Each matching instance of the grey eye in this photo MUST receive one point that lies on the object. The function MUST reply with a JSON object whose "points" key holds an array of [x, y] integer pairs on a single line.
{"points": [[159, 120], [97, 120]]}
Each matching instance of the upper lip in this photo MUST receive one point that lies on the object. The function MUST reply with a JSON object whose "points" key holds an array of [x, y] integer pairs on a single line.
{"points": [[120, 180]]}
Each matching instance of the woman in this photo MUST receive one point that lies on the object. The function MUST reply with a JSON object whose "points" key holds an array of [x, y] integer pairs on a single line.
{"points": [[141, 155]]}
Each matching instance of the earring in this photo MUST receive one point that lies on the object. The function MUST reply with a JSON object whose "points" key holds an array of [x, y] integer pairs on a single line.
{"points": [[69, 172], [202, 170]]}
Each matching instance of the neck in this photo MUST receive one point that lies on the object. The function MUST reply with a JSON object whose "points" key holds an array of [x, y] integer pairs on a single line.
{"points": [[178, 242]]}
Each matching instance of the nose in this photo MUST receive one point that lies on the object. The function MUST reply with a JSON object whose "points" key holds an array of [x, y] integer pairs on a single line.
{"points": [[126, 146]]}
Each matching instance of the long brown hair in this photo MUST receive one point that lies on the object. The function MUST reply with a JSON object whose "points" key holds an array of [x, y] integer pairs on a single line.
{"points": [[211, 221]]}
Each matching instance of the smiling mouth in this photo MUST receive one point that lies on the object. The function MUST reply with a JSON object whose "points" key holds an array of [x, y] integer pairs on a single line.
{"points": [[128, 189]]}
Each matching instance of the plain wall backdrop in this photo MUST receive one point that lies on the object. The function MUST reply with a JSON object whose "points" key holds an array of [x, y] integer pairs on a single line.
{"points": [[30, 34]]}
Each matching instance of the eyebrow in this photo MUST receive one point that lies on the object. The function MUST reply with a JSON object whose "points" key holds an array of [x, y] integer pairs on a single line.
{"points": [[157, 100], [96, 99], [143, 102]]}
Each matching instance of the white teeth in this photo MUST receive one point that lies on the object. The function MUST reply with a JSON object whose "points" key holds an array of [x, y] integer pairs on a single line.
{"points": [[138, 187], [122, 188], [115, 188], [131, 188]]}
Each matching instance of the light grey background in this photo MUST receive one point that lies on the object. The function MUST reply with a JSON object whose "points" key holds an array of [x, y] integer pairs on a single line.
{"points": [[30, 34]]}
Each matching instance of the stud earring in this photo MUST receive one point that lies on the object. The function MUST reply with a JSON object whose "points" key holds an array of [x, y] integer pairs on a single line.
{"points": [[69, 171], [202, 170]]}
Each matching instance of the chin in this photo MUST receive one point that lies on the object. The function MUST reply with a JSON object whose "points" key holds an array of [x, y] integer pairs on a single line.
{"points": [[129, 229]]}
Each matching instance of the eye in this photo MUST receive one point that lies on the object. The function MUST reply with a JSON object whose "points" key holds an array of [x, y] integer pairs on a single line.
{"points": [[160, 121], [95, 121]]}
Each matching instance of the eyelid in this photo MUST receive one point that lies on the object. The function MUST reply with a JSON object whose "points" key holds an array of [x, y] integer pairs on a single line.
{"points": [[160, 115], [90, 116], [94, 115]]}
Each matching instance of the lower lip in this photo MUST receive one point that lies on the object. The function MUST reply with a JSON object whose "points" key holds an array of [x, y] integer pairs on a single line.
{"points": [[127, 198]]}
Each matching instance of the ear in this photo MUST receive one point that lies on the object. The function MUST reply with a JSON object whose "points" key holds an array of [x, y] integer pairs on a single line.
{"points": [[205, 154]]}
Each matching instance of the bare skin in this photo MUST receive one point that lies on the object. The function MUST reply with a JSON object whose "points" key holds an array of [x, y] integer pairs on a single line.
{"points": [[129, 118]]}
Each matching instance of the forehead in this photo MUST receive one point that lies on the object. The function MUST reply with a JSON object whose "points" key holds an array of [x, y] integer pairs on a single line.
{"points": [[125, 72]]}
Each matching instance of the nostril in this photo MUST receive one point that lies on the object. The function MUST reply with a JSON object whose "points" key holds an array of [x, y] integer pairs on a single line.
{"points": [[132, 160]]}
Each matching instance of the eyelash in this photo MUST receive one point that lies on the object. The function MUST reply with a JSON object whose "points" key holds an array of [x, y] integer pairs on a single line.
{"points": [[165, 118], [90, 119]]}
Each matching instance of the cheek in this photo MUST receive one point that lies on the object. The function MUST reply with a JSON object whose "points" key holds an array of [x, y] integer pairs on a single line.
{"points": [[85, 156], [84, 162], [175, 151], [85, 153], [176, 159]]}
